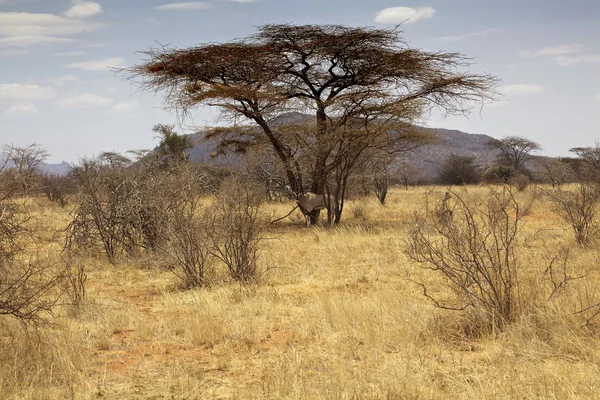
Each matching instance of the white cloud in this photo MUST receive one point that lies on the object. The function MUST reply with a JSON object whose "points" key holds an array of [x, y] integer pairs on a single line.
{"points": [[567, 61], [99, 65], [126, 106], [26, 29], [242, 1], [30, 40], [195, 5], [483, 33], [597, 97], [564, 55], [13, 52], [83, 9], [521, 89], [84, 101], [15, 91], [22, 109], [69, 53], [65, 79], [554, 50], [396, 15]]}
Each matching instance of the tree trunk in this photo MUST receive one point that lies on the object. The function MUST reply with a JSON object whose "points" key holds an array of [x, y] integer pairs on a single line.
{"points": [[319, 176], [294, 178]]}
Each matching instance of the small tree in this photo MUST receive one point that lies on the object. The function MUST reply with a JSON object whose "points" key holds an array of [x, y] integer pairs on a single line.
{"points": [[514, 151], [172, 147], [554, 171], [359, 83], [24, 166], [587, 167], [458, 170], [499, 173]]}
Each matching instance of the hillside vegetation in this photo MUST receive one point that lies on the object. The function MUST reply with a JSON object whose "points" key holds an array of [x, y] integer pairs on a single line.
{"points": [[335, 313]]}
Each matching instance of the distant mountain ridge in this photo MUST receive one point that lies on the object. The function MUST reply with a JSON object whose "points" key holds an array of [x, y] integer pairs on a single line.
{"points": [[55, 169], [427, 159]]}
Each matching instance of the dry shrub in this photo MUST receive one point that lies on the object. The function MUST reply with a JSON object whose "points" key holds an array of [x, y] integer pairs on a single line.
{"points": [[75, 279], [22, 167], [122, 208], [236, 228], [125, 208], [579, 208], [102, 217], [476, 254], [519, 181], [31, 285], [57, 188], [186, 241]]}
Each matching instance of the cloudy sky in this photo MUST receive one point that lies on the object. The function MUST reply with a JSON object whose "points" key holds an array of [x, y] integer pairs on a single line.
{"points": [[56, 87]]}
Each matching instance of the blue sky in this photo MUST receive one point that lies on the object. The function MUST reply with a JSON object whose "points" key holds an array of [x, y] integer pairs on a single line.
{"points": [[56, 88]]}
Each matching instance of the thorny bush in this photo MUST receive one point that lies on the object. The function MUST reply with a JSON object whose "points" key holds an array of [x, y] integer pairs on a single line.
{"points": [[475, 250]]}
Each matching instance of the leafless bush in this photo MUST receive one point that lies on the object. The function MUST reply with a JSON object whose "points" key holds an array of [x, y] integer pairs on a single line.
{"points": [[236, 228], [579, 207], [76, 277], [101, 217], [30, 290], [30, 286], [57, 187], [476, 254], [261, 165], [381, 184], [554, 171], [124, 208], [23, 166], [185, 241]]}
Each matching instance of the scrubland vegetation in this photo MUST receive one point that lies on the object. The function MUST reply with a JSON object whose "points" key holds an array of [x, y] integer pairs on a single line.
{"points": [[332, 313], [151, 276]]}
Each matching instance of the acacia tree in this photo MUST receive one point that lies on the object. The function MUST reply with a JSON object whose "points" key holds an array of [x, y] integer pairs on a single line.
{"points": [[587, 165], [172, 146], [357, 82], [24, 163], [514, 151]]}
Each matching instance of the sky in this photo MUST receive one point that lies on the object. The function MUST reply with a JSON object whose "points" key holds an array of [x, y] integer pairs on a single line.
{"points": [[57, 88]]}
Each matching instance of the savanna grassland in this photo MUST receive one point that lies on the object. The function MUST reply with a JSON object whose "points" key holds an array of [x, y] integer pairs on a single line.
{"points": [[335, 313]]}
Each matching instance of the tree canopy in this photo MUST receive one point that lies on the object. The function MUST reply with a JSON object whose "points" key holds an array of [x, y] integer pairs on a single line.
{"points": [[514, 151], [365, 88], [172, 145]]}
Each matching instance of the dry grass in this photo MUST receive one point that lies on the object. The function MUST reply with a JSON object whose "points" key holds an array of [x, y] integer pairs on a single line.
{"points": [[335, 316]]}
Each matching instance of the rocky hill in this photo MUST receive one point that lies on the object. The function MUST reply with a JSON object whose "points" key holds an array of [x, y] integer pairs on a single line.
{"points": [[426, 161]]}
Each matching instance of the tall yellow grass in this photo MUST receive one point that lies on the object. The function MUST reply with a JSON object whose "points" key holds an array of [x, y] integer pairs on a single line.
{"points": [[334, 315]]}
